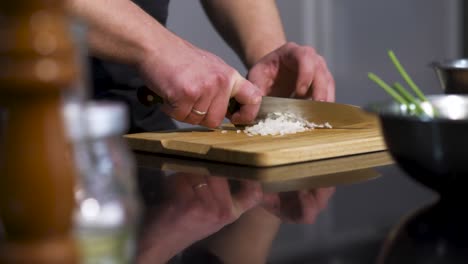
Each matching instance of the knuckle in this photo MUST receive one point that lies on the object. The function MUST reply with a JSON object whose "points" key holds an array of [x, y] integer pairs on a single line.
{"points": [[223, 79], [171, 97], [191, 92], [309, 52], [290, 45]]}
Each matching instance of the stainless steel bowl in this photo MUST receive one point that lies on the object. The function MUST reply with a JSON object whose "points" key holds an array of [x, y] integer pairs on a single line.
{"points": [[434, 151], [452, 75]]}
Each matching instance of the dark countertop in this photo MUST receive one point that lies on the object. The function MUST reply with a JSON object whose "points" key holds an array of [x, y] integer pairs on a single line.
{"points": [[354, 225]]}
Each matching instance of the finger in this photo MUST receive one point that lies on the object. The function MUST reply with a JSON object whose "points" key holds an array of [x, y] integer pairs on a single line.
{"points": [[290, 206], [231, 205], [178, 111], [309, 207], [201, 189], [249, 98], [245, 115], [321, 82], [323, 196], [220, 188], [244, 91], [307, 63], [225, 212], [271, 203], [262, 76], [217, 109], [199, 111], [331, 88], [248, 196]]}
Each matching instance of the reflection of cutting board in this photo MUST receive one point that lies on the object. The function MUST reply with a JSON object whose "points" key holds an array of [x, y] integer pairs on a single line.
{"points": [[304, 175], [260, 151]]}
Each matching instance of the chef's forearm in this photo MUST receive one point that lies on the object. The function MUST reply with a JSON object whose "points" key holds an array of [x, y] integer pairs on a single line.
{"points": [[252, 28], [119, 30]]}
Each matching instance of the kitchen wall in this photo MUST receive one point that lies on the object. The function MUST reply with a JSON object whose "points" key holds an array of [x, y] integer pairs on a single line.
{"points": [[354, 37]]}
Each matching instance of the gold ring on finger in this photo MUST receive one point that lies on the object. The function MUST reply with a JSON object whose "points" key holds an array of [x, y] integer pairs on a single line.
{"points": [[198, 112], [200, 185]]}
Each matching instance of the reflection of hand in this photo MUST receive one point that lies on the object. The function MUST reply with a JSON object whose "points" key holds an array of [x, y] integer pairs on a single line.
{"points": [[192, 81], [193, 208], [298, 206], [294, 70]]}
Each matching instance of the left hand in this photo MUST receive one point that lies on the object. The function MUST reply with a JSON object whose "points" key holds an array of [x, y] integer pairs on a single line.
{"points": [[294, 70], [300, 207]]}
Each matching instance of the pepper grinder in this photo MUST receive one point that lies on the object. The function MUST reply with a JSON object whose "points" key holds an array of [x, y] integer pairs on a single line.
{"points": [[38, 62]]}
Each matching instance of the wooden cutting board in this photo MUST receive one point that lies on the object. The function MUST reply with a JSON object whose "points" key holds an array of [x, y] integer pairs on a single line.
{"points": [[227, 145]]}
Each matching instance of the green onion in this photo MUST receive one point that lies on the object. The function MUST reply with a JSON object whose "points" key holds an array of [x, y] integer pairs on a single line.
{"points": [[387, 88], [406, 77], [409, 97], [400, 94]]}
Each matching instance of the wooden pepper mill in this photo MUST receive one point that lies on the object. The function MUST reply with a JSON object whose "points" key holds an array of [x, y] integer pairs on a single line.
{"points": [[37, 62]]}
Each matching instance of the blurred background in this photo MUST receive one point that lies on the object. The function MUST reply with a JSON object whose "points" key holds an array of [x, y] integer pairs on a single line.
{"points": [[354, 37]]}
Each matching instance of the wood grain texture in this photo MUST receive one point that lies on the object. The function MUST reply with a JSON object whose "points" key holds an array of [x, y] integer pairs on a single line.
{"points": [[260, 151]]}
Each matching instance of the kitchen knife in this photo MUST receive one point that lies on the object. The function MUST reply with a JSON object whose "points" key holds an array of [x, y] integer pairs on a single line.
{"points": [[337, 115]]}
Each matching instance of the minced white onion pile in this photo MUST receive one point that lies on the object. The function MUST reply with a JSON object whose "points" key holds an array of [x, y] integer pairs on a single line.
{"points": [[281, 124]]}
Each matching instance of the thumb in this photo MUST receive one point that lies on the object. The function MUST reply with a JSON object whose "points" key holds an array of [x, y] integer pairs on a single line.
{"points": [[244, 91], [248, 196], [248, 96]]}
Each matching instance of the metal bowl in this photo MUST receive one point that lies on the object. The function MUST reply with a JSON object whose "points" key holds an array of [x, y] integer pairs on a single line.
{"points": [[433, 151], [452, 75]]}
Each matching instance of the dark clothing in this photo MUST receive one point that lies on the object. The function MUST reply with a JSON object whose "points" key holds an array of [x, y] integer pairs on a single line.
{"points": [[114, 81]]}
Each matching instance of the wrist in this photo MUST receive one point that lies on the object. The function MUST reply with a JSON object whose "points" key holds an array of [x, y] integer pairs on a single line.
{"points": [[158, 49], [152, 46], [257, 49]]}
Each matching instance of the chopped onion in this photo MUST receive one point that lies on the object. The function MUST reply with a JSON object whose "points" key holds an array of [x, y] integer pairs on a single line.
{"points": [[279, 123]]}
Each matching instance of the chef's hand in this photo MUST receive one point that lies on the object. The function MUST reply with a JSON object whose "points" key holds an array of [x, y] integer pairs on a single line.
{"points": [[293, 70], [298, 206], [192, 208], [196, 85]]}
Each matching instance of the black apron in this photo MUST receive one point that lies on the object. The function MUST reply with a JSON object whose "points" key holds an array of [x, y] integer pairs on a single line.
{"points": [[114, 81]]}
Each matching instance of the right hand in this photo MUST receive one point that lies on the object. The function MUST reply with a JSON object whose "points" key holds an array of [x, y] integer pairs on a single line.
{"points": [[189, 79], [191, 208]]}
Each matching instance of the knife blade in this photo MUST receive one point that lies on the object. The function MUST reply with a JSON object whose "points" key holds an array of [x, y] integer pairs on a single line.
{"points": [[336, 114]]}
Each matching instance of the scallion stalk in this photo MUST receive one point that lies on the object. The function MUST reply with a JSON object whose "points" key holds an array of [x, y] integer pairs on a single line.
{"points": [[387, 88], [409, 97], [405, 76]]}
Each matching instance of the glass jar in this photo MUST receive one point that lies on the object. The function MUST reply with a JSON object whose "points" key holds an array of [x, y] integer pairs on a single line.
{"points": [[107, 208]]}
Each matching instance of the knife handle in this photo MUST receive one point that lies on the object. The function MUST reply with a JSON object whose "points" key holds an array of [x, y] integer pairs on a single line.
{"points": [[148, 98]]}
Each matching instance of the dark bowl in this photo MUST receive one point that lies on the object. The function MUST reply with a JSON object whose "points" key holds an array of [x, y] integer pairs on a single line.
{"points": [[452, 75], [433, 151]]}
